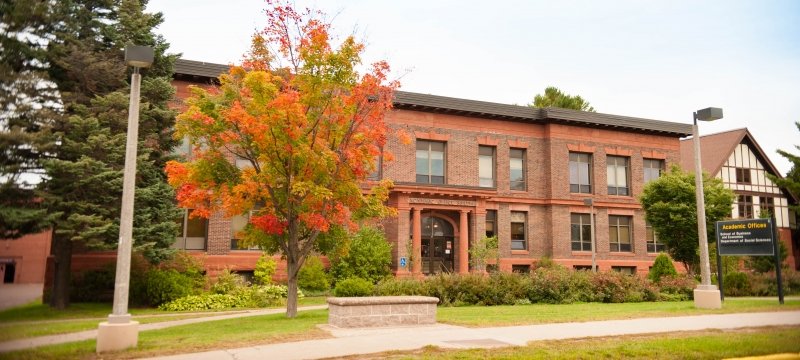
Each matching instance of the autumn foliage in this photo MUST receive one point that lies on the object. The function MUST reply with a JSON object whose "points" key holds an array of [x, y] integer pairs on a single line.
{"points": [[292, 133]]}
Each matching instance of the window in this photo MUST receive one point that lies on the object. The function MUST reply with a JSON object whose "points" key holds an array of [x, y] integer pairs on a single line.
{"points": [[486, 166], [582, 267], [581, 232], [521, 269], [617, 175], [580, 173], [767, 205], [619, 233], [517, 169], [491, 221], [628, 270], [745, 206], [518, 241], [193, 232], [242, 163], [430, 162], [743, 176], [652, 169], [653, 246]]}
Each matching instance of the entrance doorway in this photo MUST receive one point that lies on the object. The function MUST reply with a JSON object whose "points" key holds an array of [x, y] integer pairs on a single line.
{"points": [[437, 245]]}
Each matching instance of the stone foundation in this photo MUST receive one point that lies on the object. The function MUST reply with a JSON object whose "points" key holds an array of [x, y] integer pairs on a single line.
{"points": [[355, 312]]}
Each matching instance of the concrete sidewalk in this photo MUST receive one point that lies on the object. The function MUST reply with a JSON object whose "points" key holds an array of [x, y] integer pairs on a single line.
{"points": [[367, 341], [29, 343]]}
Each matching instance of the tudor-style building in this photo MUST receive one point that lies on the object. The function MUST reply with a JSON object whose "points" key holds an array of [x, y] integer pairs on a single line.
{"points": [[735, 157], [478, 169]]}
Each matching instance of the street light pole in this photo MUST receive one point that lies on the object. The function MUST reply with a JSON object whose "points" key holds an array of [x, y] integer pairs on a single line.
{"points": [[119, 332], [590, 202], [706, 295]]}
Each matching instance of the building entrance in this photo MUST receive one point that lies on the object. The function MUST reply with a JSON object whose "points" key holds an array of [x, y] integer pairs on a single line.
{"points": [[437, 245]]}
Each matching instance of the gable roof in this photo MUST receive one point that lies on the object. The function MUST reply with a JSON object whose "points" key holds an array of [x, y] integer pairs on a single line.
{"points": [[483, 109], [716, 149]]}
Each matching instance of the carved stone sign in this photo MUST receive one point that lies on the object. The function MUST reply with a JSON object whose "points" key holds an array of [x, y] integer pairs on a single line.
{"points": [[442, 202]]}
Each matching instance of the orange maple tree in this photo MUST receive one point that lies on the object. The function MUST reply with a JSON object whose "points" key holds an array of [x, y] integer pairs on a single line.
{"points": [[305, 128]]}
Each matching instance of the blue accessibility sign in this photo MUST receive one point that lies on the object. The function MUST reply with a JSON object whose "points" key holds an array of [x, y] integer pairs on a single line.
{"points": [[402, 262]]}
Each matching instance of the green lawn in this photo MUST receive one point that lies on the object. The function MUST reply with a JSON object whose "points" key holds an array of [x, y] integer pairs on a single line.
{"points": [[686, 345], [39, 320], [276, 328], [479, 316], [196, 337]]}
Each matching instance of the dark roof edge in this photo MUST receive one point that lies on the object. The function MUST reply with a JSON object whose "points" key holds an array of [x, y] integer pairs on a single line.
{"points": [[457, 106]]}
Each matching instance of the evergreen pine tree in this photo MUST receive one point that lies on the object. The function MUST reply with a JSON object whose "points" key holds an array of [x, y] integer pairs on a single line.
{"points": [[83, 183]]}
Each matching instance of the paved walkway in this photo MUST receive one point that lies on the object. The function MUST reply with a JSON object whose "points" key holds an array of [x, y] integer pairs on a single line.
{"points": [[367, 341], [92, 334], [12, 295]]}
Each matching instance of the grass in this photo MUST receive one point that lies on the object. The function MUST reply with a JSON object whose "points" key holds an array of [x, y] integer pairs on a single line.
{"points": [[475, 316], [37, 319], [710, 344], [195, 337]]}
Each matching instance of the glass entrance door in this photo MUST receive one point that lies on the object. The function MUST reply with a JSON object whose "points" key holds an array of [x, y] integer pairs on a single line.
{"points": [[437, 245]]}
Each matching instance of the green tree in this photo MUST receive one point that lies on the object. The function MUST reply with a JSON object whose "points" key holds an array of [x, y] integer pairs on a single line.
{"points": [[670, 207], [82, 183], [482, 250], [368, 256], [791, 181], [28, 106], [553, 97]]}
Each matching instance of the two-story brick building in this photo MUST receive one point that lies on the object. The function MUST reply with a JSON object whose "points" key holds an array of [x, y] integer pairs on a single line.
{"points": [[479, 169]]}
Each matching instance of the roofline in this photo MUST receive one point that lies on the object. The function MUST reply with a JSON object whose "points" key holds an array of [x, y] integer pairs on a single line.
{"points": [[761, 154], [484, 109]]}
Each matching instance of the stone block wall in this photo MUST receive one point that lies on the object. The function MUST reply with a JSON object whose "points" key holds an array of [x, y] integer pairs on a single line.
{"points": [[355, 312]]}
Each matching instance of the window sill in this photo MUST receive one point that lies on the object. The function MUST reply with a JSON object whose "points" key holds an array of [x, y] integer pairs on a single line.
{"points": [[581, 253], [612, 253], [629, 197], [581, 194], [520, 252]]}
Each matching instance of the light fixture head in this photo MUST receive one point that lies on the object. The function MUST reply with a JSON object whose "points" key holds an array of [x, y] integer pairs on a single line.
{"points": [[708, 114], [138, 56]]}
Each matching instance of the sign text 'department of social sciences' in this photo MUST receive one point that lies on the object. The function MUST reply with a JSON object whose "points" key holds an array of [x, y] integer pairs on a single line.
{"points": [[745, 237]]}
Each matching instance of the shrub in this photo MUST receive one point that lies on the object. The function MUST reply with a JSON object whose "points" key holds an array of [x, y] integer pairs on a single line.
{"points": [[676, 288], [312, 276], [368, 257], [398, 287], [554, 284], [736, 284], [94, 285], [662, 266], [353, 287], [205, 302], [270, 295], [265, 270], [161, 286], [189, 266], [228, 283]]}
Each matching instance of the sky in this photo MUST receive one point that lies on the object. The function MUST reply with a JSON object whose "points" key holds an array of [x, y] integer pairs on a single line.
{"points": [[652, 59]]}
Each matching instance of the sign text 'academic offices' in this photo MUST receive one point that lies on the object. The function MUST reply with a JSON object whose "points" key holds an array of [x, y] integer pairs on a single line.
{"points": [[745, 237]]}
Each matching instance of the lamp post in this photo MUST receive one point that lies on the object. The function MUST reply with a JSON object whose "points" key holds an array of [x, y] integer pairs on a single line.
{"points": [[706, 295], [590, 203], [119, 332]]}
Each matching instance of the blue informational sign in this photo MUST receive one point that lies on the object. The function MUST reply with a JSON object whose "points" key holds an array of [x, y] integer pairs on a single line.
{"points": [[402, 262]]}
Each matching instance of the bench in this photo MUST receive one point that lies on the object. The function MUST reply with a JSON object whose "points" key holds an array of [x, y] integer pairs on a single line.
{"points": [[376, 311]]}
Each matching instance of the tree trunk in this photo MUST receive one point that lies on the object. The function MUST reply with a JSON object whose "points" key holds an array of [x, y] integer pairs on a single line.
{"points": [[62, 255], [291, 274]]}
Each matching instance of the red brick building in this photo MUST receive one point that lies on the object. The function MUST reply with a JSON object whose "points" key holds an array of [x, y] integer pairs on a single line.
{"points": [[478, 168], [22, 261]]}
